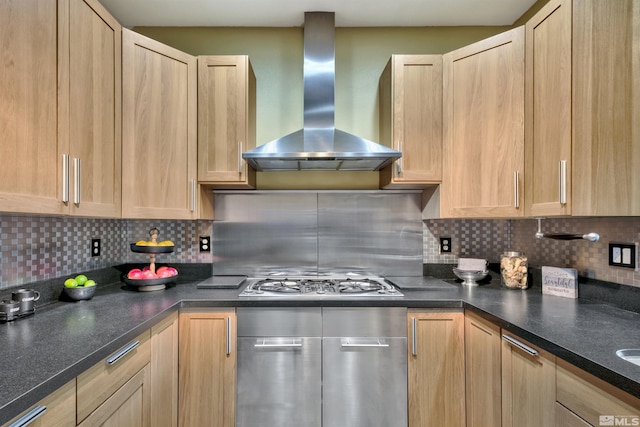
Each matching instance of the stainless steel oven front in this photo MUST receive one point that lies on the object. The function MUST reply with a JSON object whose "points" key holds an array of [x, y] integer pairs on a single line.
{"points": [[322, 367]]}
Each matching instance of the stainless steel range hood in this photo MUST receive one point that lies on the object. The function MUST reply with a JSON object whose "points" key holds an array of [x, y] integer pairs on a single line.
{"points": [[319, 145]]}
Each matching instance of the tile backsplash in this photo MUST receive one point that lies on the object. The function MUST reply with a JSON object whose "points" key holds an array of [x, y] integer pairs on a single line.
{"points": [[34, 248], [489, 238]]}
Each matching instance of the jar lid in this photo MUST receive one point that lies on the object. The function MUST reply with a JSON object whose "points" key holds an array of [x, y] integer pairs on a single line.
{"points": [[511, 253]]}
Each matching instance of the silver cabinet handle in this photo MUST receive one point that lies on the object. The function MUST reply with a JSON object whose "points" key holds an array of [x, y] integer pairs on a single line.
{"points": [[29, 417], [264, 344], [114, 358], [240, 157], [377, 344], [192, 201], [563, 182], [521, 346], [65, 178], [414, 336], [516, 189], [399, 161], [228, 347], [76, 181]]}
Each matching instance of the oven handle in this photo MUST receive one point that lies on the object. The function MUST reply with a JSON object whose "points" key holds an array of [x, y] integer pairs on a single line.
{"points": [[375, 342], [295, 343]]}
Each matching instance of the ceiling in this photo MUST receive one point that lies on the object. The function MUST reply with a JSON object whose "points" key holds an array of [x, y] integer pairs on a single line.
{"points": [[290, 13]]}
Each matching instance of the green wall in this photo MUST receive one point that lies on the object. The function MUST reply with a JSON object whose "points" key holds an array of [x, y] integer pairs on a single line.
{"points": [[277, 57]]}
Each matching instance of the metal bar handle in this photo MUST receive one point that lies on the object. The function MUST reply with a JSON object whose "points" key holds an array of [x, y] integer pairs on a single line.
{"points": [[228, 346], [563, 182], [521, 346], [65, 178], [114, 358], [516, 189], [76, 181], [399, 161], [29, 417], [377, 344], [192, 201], [264, 344], [414, 336], [240, 157]]}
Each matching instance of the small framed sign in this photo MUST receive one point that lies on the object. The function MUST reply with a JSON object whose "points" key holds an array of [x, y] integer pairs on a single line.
{"points": [[562, 282]]}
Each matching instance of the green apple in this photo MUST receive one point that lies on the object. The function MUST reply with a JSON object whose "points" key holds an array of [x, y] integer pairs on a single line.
{"points": [[89, 283], [70, 283], [81, 279]]}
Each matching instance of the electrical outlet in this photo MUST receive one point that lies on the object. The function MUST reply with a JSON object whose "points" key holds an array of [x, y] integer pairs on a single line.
{"points": [[445, 245], [622, 255], [96, 247], [205, 244]]}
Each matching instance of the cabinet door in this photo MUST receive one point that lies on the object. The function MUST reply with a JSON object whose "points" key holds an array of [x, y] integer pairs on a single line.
{"points": [[606, 108], [91, 114], [31, 173], [207, 369], [58, 409], [483, 383], [127, 407], [548, 112], [436, 369], [90, 106], [164, 373], [411, 119], [528, 384], [226, 120], [159, 130], [484, 128]]}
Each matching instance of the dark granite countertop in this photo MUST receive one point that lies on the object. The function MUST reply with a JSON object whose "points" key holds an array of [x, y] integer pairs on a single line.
{"points": [[42, 352]]}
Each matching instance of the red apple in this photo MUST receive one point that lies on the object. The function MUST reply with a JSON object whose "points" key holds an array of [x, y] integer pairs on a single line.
{"points": [[145, 268], [164, 273], [146, 275], [161, 269], [173, 271], [135, 274]]}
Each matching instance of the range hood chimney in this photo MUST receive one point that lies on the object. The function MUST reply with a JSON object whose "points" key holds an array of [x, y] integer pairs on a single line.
{"points": [[319, 145]]}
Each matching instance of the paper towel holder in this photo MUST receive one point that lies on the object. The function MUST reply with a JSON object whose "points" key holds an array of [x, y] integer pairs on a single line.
{"points": [[592, 237]]}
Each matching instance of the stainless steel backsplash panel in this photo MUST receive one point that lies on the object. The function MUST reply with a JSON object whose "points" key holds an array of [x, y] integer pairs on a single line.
{"points": [[317, 232]]}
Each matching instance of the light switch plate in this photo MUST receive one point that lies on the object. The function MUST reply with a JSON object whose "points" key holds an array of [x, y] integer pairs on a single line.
{"points": [[622, 254]]}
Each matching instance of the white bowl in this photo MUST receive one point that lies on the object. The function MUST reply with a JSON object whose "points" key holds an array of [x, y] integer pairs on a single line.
{"points": [[470, 278]]}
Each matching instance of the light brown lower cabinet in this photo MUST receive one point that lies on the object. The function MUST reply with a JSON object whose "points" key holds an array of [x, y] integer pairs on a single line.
{"points": [[207, 368], [58, 409], [164, 373], [436, 368], [483, 372], [588, 398], [528, 384], [566, 418], [116, 391]]}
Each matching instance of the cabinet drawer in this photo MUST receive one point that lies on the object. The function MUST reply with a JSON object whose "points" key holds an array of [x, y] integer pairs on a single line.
{"points": [[566, 418], [590, 397], [58, 409], [99, 382]]}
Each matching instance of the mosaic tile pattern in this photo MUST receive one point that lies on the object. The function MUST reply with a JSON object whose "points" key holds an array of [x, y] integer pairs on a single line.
{"points": [[34, 248], [489, 238]]}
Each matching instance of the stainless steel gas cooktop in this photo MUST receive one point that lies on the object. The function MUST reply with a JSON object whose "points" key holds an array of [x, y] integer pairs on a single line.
{"points": [[299, 287]]}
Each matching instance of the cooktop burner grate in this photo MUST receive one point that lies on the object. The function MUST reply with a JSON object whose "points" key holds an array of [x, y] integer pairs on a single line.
{"points": [[301, 287]]}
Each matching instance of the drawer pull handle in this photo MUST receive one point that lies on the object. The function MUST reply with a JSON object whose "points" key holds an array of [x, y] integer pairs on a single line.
{"points": [[122, 352], [521, 346], [377, 344], [264, 344], [29, 417]]}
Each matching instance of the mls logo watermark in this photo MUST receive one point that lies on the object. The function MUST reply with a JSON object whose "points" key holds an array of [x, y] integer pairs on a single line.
{"points": [[619, 420]]}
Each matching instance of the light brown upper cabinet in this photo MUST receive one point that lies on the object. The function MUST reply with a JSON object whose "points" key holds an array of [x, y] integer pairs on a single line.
{"points": [[159, 130], [90, 114], [483, 147], [61, 108], [583, 109], [226, 121], [410, 94]]}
